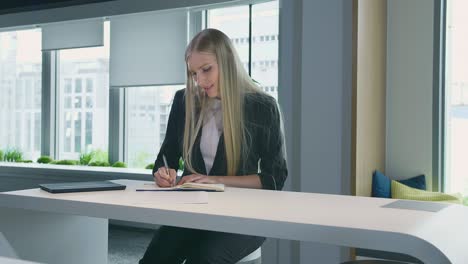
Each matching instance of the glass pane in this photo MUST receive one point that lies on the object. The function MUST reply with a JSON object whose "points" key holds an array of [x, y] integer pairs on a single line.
{"points": [[146, 121], [89, 85], [78, 85], [68, 86], [83, 99], [234, 22], [21, 92], [89, 128], [456, 85], [265, 24]]}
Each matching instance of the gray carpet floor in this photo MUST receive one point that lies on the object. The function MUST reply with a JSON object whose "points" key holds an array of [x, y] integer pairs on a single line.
{"points": [[127, 245]]}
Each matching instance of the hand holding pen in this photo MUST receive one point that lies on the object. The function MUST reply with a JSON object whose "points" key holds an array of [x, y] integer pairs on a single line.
{"points": [[165, 176]]}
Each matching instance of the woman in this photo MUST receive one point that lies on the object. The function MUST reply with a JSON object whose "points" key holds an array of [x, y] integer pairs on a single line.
{"points": [[227, 131]]}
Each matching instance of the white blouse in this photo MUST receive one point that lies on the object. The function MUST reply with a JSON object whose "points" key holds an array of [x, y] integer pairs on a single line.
{"points": [[212, 129]]}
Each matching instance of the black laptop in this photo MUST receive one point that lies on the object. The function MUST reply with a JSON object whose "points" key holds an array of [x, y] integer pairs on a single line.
{"points": [[81, 187]]}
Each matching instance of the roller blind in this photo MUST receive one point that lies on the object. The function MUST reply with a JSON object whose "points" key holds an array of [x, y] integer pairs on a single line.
{"points": [[148, 49], [73, 34]]}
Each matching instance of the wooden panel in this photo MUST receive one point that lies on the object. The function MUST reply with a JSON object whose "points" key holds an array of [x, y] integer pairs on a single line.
{"points": [[369, 93]]}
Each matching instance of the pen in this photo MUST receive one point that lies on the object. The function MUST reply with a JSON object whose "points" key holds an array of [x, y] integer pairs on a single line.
{"points": [[167, 167]]}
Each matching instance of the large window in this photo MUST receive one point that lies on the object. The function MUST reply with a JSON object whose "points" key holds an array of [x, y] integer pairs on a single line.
{"points": [[234, 22], [83, 98], [265, 26], [456, 101], [21, 90], [147, 113], [79, 91]]}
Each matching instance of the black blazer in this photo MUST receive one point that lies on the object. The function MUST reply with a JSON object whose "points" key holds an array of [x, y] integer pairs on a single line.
{"points": [[265, 155]]}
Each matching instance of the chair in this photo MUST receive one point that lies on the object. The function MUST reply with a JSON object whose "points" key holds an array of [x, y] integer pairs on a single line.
{"points": [[254, 257]]}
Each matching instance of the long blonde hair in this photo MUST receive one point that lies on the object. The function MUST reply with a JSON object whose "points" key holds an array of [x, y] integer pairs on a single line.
{"points": [[234, 84]]}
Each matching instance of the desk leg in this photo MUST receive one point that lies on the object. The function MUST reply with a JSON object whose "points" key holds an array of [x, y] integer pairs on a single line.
{"points": [[55, 238]]}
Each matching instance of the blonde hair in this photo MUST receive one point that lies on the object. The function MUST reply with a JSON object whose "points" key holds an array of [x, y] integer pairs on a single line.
{"points": [[234, 84]]}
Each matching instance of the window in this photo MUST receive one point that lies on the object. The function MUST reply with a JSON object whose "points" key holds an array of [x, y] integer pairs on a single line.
{"points": [[83, 97], [68, 101], [77, 131], [20, 90], [147, 113], [89, 129], [265, 23], [234, 22], [37, 94], [78, 85], [89, 85], [77, 102], [89, 102], [456, 100], [68, 86]]}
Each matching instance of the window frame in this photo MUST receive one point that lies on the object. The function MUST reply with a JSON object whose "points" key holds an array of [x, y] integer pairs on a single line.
{"points": [[439, 97]]}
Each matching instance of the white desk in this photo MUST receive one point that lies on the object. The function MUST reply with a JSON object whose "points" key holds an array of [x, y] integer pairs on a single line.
{"points": [[333, 219]]}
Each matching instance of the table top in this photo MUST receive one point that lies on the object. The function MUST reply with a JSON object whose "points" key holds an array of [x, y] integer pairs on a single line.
{"points": [[433, 237]]}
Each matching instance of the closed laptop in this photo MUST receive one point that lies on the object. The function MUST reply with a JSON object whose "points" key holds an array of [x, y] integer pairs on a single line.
{"points": [[81, 186]]}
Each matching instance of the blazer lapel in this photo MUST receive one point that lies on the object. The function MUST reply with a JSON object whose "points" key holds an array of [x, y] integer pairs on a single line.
{"points": [[219, 163]]}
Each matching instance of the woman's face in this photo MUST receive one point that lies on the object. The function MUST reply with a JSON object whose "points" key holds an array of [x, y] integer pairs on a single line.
{"points": [[203, 68]]}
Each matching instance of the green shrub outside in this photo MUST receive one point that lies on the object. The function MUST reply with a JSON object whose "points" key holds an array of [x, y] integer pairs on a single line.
{"points": [[149, 166], [99, 164], [99, 156], [13, 155], [1, 155], [44, 159], [85, 158], [119, 164], [25, 161], [65, 162]]}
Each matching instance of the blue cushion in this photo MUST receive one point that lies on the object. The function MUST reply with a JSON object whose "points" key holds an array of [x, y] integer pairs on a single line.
{"points": [[382, 186], [418, 182]]}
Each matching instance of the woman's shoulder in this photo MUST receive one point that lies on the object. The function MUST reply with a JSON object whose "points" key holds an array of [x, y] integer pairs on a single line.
{"points": [[179, 97], [261, 108], [260, 101], [180, 94]]}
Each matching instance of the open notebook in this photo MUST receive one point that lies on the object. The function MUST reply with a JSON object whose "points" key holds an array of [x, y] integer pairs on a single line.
{"points": [[188, 186]]}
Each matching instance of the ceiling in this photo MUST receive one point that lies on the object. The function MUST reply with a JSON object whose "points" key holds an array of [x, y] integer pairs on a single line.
{"points": [[16, 6]]}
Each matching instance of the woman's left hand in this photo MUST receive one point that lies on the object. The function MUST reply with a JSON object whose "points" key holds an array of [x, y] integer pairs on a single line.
{"points": [[198, 178]]}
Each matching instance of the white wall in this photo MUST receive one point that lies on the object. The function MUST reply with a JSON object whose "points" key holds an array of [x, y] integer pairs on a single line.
{"points": [[409, 88]]}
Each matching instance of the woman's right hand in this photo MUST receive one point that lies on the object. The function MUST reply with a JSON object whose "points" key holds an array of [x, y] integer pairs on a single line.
{"points": [[163, 179]]}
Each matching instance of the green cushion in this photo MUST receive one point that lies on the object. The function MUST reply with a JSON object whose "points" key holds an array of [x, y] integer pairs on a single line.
{"points": [[401, 191]]}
